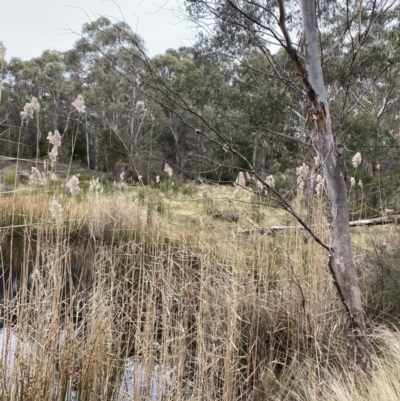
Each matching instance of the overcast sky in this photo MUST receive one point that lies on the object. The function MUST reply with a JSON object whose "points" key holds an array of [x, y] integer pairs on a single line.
{"points": [[28, 27]]}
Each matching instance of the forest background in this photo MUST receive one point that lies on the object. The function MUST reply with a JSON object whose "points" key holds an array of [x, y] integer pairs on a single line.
{"points": [[226, 111], [129, 127]]}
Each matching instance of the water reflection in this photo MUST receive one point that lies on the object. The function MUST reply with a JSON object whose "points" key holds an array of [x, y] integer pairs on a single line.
{"points": [[136, 379], [10, 346], [18, 286]]}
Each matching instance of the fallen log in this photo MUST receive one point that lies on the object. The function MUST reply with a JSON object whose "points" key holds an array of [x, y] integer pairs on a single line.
{"points": [[376, 221], [356, 223], [266, 230]]}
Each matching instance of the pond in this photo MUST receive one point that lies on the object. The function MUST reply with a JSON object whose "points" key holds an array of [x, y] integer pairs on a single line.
{"points": [[135, 378]]}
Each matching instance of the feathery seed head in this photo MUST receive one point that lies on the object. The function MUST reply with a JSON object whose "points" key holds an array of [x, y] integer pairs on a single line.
{"points": [[28, 112], [79, 104], [239, 182], [352, 181], [302, 174], [95, 185], [73, 185], [35, 104], [319, 186], [270, 181], [168, 169], [54, 139], [356, 160], [36, 177], [56, 210], [302, 171], [53, 155]]}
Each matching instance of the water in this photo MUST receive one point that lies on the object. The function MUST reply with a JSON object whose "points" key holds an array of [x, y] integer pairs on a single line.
{"points": [[9, 346], [135, 380]]}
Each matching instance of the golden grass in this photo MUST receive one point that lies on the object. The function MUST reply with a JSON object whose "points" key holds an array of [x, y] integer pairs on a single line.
{"points": [[160, 281]]}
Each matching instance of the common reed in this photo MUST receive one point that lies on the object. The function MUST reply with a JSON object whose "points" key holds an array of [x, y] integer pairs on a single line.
{"points": [[106, 298]]}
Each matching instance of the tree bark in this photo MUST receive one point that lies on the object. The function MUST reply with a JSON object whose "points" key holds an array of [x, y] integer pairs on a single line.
{"points": [[341, 259]]}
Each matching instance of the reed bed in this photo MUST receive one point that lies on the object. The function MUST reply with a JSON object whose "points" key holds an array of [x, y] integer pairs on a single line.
{"points": [[116, 300]]}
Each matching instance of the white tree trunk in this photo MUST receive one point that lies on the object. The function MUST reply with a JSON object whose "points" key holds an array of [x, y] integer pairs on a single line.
{"points": [[341, 260]]}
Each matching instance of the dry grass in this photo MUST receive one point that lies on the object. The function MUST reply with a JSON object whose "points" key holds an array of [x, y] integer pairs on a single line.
{"points": [[158, 281]]}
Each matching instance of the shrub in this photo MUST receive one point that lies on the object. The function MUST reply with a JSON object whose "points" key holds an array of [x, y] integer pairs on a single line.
{"points": [[112, 152], [11, 178], [382, 282]]}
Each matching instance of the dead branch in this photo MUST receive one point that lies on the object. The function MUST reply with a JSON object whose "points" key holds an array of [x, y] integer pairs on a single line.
{"points": [[357, 223]]}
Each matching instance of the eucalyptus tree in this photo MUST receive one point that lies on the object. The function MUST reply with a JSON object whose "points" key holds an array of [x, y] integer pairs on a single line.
{"points": [[47, 78], [52, 87], [238, 100], [205, 85], [112, 78], [263, 102], [178, 68], [361, 73]]}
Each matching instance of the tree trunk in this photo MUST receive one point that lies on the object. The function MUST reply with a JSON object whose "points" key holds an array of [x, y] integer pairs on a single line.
{"points": [[254, 158], [341, 259], [87, 149], [311, 188]]}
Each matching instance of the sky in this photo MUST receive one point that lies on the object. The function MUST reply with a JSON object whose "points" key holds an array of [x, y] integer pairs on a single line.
{"points": [[28, 27]]}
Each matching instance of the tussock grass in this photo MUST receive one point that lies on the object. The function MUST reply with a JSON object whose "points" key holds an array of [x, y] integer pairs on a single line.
{"points": [[198, 310]]}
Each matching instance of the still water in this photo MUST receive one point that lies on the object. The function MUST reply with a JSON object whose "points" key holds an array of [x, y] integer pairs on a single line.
{"points": [[134, 380]]}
